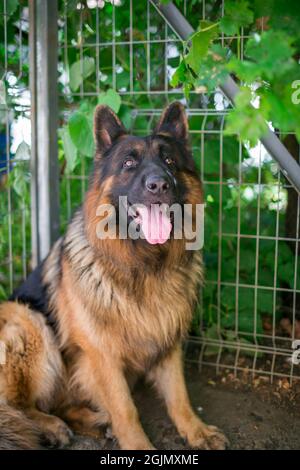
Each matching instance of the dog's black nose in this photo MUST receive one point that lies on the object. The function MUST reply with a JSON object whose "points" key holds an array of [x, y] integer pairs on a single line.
{"points": [[157, 184]]}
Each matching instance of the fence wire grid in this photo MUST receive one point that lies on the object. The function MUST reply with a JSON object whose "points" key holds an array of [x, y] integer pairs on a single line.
{"points": [[248, 312], [14, 147]]}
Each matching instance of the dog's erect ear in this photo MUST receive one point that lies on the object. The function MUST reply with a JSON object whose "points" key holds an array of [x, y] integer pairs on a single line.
{"points": [[107, 127], [173, 122]]}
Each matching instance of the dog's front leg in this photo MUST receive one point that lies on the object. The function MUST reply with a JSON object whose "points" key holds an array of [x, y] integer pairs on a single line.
{"points": [[169, 380], [111, 388]]}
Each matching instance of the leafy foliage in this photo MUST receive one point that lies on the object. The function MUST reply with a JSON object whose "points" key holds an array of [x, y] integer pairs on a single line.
{"points": [[110, 98], [200, 42], [80, 70], [81, 133], [237, 15], [267, 71]]}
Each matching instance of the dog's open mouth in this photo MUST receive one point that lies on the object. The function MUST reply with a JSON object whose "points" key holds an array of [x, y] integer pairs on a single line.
{"points": [[155, 222]]}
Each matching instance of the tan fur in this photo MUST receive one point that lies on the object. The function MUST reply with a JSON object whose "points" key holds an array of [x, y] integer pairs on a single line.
{"points": [[17, 431], [31, 377], [85, 421], [33, 370]]}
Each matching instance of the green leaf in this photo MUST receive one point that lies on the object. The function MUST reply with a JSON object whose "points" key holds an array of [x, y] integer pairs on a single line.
{"points": [[211, 333], [200, 42], [187, 88], [19, 180], [81, 134], [247, 260], [279, 112], [281, 14], [246, 314], [243, 343], [71, 6], [245, 120], [80, 70], [271, 53], [211, 156], [110, 98], [237, 14], [265, 301], [212, 71], [246, 322], [179, 75], [228, 298], [125, 114], [286, 273], [11, 6], [3, 294], [70, 150]]}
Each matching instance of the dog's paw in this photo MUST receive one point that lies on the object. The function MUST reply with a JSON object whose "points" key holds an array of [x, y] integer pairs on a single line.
{"points": [[207, 438], [57, 435]]}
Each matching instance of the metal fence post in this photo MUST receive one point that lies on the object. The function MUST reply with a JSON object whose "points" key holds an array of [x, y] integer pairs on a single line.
{"points": [[44, 120]]}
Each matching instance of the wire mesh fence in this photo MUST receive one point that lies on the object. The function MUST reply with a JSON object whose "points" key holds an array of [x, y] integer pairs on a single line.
{"points": [[14, 146], [248, 310]]}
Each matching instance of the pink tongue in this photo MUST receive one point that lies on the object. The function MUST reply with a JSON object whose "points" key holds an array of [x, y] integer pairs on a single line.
{"points": [[155, 224]]}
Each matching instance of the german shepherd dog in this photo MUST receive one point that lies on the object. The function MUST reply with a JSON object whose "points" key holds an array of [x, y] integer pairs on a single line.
{"points": [[97, 313]]}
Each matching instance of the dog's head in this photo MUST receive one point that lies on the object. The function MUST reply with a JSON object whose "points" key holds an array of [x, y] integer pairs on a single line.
{"points": [[151, 172]]}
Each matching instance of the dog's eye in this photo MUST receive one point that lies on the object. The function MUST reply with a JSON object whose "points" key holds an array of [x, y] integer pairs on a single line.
{"points": [[169, 161], [129, 163]]}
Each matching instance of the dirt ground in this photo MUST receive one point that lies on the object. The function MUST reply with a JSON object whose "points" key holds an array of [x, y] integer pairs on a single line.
{"points": [[253, 415]]}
